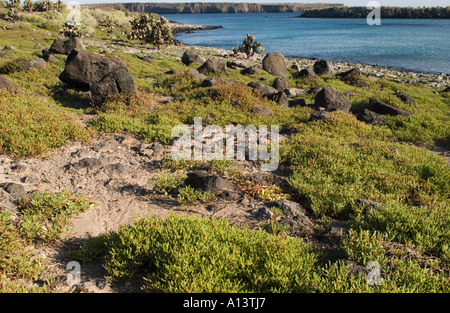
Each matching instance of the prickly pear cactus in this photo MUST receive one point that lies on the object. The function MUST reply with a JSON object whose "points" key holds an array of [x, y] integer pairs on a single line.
{"points": [[249, 46]]}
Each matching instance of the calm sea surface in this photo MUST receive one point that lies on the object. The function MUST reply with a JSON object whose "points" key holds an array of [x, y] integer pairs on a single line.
{"points": [[414, 45]]}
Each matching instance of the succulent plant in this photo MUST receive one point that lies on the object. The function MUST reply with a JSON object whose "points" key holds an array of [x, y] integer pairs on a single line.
{"points": [[152, 29], [70, 30], [28, 5], [249, 46]]}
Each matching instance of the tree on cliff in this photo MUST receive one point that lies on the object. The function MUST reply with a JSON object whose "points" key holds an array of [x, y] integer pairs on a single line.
{"points": [[152, 29]]}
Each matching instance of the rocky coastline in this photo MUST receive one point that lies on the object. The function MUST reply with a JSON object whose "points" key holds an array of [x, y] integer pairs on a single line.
{"points": [[189, 28], [377, 71]]}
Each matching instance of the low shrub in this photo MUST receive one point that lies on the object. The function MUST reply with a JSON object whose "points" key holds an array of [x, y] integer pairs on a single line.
{"points": [[203, 255]]}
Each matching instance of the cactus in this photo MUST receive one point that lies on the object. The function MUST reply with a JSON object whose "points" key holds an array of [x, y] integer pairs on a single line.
{"points": [[43, 6], [249, 46], [13, 14], [108, 22], [28, 5], [151, 28], [70, 30]]}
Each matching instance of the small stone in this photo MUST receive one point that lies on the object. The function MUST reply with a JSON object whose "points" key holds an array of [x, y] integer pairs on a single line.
{"points": [[319, 116], [369, 205], [115, 169], [289, 208], [15, 190], [39, 64], [99, 147], [31, 179], [262, 110], [263, 214], [20, 168], [173, 72], [265, 90], [88, 163]]}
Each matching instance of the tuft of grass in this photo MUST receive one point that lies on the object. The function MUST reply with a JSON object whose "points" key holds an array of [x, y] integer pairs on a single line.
{"points": [[17, 258], [188, 195], [167, 183], [32, 126], [46, 216]]}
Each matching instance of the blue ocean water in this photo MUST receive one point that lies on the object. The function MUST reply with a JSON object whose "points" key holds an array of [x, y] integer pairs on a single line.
{"points": [[413, 45]]}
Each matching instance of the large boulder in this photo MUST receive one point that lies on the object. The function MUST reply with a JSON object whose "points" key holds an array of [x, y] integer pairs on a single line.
{"points": [[406, 98], [102, 76], [265, 90], [78, 68], [235, 64], [212, 65], [386, 109], [371, 117], [280, 98], [280, 84], [332, 100], [307, 72], [250, 71], [296, 103], [262, 110], [60, 46], [22, 65], [38, 63], [108, 78], [275, 64], [353, 77], [222, 187], [190, 56], [196, 74], [294, 218], [323, 67], [7, 84]]}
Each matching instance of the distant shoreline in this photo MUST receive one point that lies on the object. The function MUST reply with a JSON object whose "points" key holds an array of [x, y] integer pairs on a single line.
{"points": [[178, 28], [386, 12], [211, 7]]}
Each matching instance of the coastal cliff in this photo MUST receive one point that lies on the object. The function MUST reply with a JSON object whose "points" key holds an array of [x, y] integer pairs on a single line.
{"points": [[196, 8], [386, 12]]}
